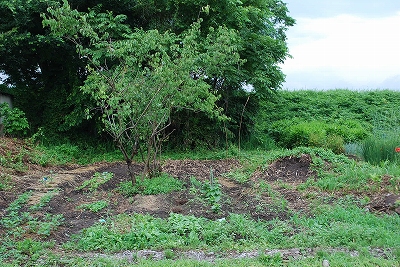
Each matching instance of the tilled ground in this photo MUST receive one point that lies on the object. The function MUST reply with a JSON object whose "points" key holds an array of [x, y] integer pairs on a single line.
{"points": [[279, 200]]}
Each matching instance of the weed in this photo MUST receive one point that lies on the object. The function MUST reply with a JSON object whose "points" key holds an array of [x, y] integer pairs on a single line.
{"points": [[95, 206], [45, 226], [14, 161], [13, 217], [239, 175], [265, 188], [97, 180], [162, 184], [210, 191], [169, 254], [44, 200], [5, 181], [19, 224], [270, 260]]}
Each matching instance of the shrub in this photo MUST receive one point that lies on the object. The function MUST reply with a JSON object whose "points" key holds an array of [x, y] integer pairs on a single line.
{"points": [[317, 133], [13, 120]]}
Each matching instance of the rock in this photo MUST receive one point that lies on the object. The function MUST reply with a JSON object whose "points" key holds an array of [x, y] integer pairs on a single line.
{"points": [[325, 263], [392, 201], [397, 210]]}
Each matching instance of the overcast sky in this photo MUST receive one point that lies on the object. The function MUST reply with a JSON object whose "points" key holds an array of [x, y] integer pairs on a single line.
{"points": [[353, 44]]}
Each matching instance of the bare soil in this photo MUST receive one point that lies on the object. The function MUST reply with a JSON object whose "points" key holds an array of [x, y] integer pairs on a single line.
{"points": [[282, 177]]}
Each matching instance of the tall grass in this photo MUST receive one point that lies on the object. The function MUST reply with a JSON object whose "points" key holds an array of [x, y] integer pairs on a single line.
{"points": [[380, 148]]}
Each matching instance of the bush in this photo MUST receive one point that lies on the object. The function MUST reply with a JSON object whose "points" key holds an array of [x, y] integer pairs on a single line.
{"points": [[317, 133], [14, 122]]}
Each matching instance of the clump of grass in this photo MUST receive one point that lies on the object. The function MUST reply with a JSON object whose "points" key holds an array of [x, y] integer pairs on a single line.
{"points": [[162, 184], [381, 147]]}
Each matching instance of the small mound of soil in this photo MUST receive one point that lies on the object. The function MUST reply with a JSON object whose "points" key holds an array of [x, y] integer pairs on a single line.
{"points": [[289, 169]]}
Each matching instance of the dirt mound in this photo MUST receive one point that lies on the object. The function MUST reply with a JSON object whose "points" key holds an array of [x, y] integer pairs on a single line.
{"points": [[15, 156], [289, 169]]}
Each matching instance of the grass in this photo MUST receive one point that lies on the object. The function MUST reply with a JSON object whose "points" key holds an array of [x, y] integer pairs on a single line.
{"points": [[335, 259], [331, 226], [381, 147], [60, 154], [346, 226], [158, 185]]}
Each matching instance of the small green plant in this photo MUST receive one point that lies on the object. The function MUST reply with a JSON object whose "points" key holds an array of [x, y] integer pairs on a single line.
{"points": [[44, 200], [46, 225], [169, 254], [14, 217], [270, 260], [266, 188], [95, 206], [210, 191], [5, 181], [162, 184], [239, 175], [97, 180]]}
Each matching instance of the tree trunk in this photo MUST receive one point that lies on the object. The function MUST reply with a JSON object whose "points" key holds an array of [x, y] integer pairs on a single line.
{"points": [[130, 171]]}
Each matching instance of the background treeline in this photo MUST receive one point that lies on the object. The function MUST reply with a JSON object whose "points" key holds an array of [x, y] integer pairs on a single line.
{"points": [[334, 119]]}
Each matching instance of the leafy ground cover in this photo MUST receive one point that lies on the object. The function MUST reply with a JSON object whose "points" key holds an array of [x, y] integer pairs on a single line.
{"points": [[278, 208]]}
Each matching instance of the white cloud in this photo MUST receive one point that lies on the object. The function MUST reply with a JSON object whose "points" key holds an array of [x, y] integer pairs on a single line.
{"points": [[361, 51]]}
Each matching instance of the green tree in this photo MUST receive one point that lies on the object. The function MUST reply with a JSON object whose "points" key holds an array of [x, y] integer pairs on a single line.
{"points": [[138, 77], [44, 72]]}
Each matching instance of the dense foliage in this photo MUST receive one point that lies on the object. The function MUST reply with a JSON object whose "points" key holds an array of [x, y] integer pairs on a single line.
{"points": [[46, 72], [12, 121], [316, 118]]}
